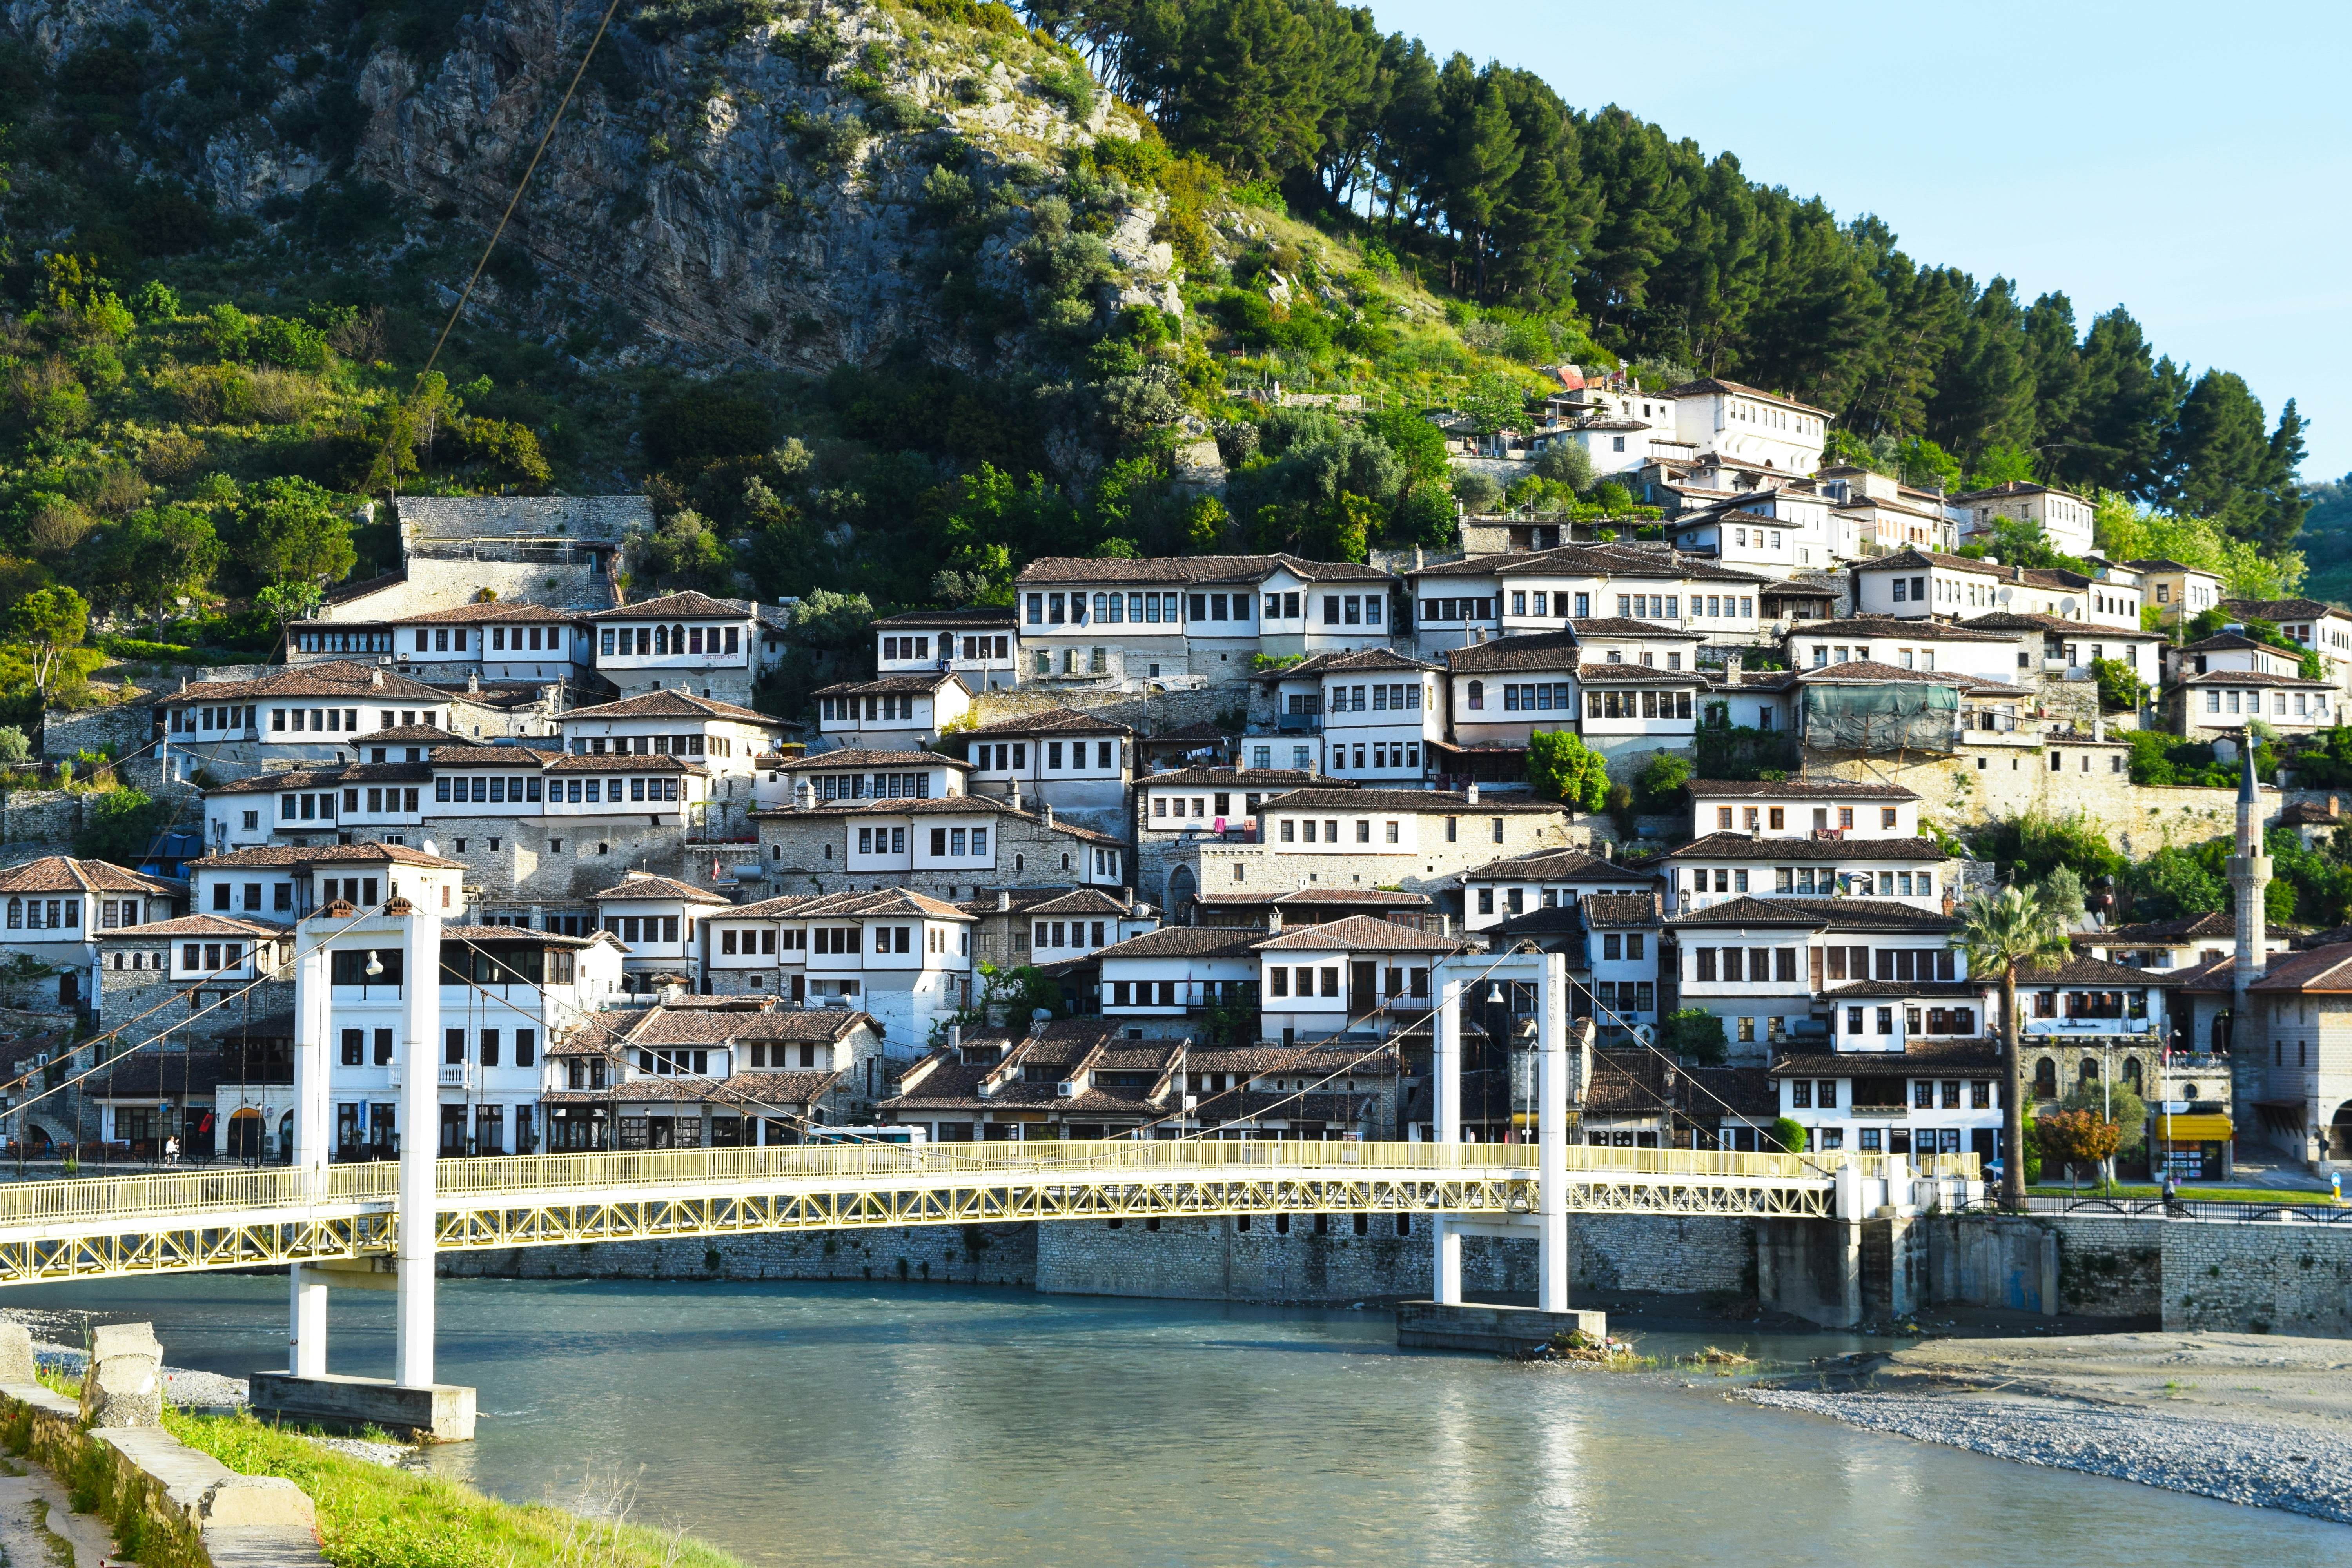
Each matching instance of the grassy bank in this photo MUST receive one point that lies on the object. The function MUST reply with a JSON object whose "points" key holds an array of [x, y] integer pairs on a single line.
{"points": [[373, 1517]]}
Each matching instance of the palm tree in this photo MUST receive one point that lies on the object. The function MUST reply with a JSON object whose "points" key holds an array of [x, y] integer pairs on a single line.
{"points": [[2008, 930]]}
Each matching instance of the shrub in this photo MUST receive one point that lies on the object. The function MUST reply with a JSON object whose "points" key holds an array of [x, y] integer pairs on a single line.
{"points": [[1789, 1134], [1562, 767], [295, 345], [1693, 1033]]}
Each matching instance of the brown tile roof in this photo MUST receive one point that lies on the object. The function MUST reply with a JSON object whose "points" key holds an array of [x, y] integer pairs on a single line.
{"points": [[742, 1088], [621, 763], [1604, 674], [2083, 969], [2028, 620], [64, 874], [966, 619], [496, 610], [1373, 659], [1918, 1056], [1922, 560], [1798, 789], [1309, 898], [685, 606], [1746, 847], [410, 735], [1188, 941], [2320, 969], [515, 936], [1558, 865], [1620, 909], [1306, 1061], [470, 755], [1359, 933], [1870, 670], [1200, 570], [1240, 778], [1896, 626], [2254, 678], [1818, 914], [2281, 609], [193, 925], [890, 902], [888, 685], [1053, 721], [867, 757], [2182, 927], [667, 1025], [1525, 650], [669, 704], [1424, 802], [644, 885], [324, 855], [1591, 561], [1958, 990], [334, 678], [1611, 626], [1710, 384], [1052, 901]]}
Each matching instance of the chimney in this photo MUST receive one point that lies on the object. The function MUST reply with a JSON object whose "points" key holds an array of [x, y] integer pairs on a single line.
{"points": [[473, 681], [2098, 729], [1013, 800], [184, 683], [805, 796], [1273, 919], [1731, 668], [1004, 900], [955, 1040], [375, 676], [1046, 813], [1470, 794]]}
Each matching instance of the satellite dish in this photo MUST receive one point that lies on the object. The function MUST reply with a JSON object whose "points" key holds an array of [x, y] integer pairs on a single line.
{"points": [[1643, 1033]]}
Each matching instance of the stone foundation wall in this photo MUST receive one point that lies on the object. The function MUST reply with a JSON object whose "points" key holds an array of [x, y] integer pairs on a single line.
{"points": [[2137, 820], [2257, 1277], [942, 1253], [126, 726]]}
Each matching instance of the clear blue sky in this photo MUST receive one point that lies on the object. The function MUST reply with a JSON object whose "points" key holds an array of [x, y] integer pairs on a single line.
{"points": [[2192, 163]]}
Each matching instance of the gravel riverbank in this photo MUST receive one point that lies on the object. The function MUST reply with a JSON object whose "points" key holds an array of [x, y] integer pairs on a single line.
{"points": [[2247, 1418]]}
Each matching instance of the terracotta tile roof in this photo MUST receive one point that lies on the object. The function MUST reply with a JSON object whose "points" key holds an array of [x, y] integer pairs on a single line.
{"points": [[1957, 990], [617, 763], [64, 874], [1240, 778], [744, 1089], [667, 1025], [468, 755], [1710, 384], [1870, 670], [1310, 898], [888, 685], [1747, 846], [410, 735], [1188, 941], [1306, 1061], [1052, 721], [1798, 789], [890, 902], [1359, 933], [1422, 802], [1053, 902], [2254, 678], [1524, 650], [971, 618], [2182, 927], [2025, 620], [325, 855], [1620, 909], [670, 704], [1374, 660], [334, 678], [644, 885], [1611, 626], [515, 936], [1198, 570], [1559, 866], [2083, 969], [1591, 561], [2320, 969], [1816, 914], [1923, 559], [866, 757], [935, 805], [1896, 626], [1929, 1055], [496, 610], [1640, 674], [193, 925], [688, 605], [2281, 609]]}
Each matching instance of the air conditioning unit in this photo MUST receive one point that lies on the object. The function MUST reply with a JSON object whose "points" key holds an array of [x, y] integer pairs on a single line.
{"points": [[1066, 1089], [456, 1075]]}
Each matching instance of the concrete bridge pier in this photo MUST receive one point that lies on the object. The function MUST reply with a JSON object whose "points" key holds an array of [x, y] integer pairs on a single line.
{"points": [[1446, 1112], [306, 1391]]}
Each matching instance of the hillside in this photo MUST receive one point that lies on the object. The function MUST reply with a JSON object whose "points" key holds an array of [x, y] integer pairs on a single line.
{"points": [[885, 299]]}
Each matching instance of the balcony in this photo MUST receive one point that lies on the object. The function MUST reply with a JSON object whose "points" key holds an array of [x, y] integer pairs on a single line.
{"points": [[2085, 1027], [1298, 723]]}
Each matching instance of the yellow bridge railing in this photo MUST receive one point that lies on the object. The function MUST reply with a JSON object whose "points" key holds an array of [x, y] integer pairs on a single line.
{"points": [[467, 1183]]}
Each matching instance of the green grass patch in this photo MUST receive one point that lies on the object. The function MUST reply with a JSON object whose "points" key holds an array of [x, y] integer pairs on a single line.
{"points": [[373, 1517], [2185, 1195]]}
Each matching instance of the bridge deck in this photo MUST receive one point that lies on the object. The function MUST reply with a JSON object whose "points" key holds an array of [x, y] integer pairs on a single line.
{"points": [[182, 1221]]}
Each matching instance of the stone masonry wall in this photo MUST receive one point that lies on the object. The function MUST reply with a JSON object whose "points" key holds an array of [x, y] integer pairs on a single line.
{"points": [[2258, 1277], [126, 726], [944, 1254], [1221, 867], [2139, 819]]}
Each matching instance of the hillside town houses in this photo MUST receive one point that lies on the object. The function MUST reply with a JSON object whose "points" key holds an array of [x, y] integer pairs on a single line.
{"points": [[1116, 855]]}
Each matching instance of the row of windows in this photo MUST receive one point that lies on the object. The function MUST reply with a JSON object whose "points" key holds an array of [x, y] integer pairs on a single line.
{"points": [[45, 914], [660, 642], [453, 1047], [1385, 755], [1776, 818], [1626, 996], [344, 642], [2316, 706], [631, 929], [1926, 1094], [1165, 805], [1457, 610], [1072, 933], [844, 710], [910, 648], [688, 745], [193, 721], [1310, 981], [1400, 698], [1821, 881]]}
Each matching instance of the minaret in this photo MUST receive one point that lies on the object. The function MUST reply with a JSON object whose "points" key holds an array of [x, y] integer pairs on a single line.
{"points": [[2250, 875]]}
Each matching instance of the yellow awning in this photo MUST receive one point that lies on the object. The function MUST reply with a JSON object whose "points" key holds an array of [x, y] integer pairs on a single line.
{"points": [[2192, 1129]]}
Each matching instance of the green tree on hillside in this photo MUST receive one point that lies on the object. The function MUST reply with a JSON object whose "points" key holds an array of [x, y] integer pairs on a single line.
{"points": [[49, 622], [161, 554], [295, 532], [1560, 767]]}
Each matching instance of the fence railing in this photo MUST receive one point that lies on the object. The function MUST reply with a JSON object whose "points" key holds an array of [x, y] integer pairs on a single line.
{"points": [[82, 1200]]}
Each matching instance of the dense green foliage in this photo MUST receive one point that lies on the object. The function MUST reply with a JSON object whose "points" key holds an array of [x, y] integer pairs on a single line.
{"points": [[1487, 178], [1562, 767], [2308, 886], [1694, 1034]]}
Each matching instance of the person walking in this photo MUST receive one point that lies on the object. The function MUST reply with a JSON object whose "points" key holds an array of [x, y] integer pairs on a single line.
{"points": [[172, 1150]]}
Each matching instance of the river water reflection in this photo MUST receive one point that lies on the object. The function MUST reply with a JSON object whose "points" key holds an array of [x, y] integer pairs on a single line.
{"points": [[852, 1424]]}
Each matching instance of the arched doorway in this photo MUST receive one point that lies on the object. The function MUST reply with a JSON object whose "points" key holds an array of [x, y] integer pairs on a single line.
{"points": [[1181, 892], [2045, 1079], [2221, 1034], [2339, 1133], [245, 1134], [2131, 1074]]}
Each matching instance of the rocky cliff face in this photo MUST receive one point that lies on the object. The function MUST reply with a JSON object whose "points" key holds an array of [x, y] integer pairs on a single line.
{"points": [[744, 186]]}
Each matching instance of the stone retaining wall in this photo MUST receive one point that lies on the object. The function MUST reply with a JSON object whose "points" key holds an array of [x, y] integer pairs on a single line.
{"points": [[2257, 1277], [944, 1254], [2137, 820]]}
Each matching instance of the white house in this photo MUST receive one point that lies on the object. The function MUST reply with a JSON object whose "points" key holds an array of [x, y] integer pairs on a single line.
{"points": [[2325, 628], [1550, 879], [678, 642], [1214, 800], [1803, 808], [980, 645], [58, 907], [498, 641], [1723, 867], [891, 712], [858, 774], [507, 993], [656, 920], [2181, 592], [1156, 985], [1357, 978], [1915, 644], [283, 883], [314, 712], [1932, 1092], [1068, 760], [2064, 518], [1746, 423], [1378, 712]]}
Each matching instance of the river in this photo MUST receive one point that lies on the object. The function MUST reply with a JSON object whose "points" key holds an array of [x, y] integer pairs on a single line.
{"points": [[851, 1423]]}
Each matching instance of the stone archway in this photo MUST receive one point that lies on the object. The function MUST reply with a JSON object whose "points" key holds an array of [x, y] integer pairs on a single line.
{"points": [[2045, 1079], [2339, 1133], [1182, 890]]}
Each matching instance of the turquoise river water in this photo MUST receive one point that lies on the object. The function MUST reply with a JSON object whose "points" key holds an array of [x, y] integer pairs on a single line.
{"points": [[811, 1423]]}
